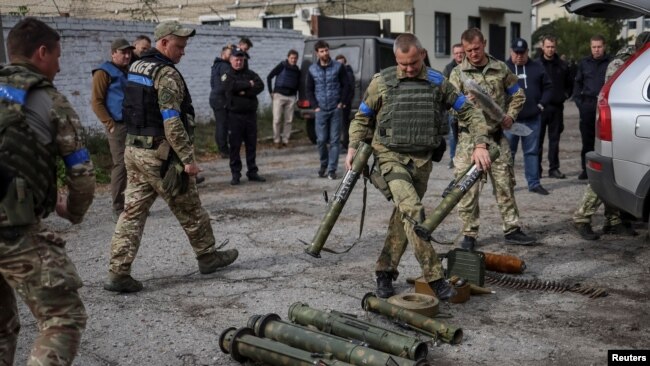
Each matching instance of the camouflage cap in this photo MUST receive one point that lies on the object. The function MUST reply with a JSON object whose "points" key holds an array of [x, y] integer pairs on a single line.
{"points": [[120, 44], [172, 27]]}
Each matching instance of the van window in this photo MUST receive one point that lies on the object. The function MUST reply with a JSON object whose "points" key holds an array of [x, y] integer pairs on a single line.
{"points": [[386, 56], [351, 53]]}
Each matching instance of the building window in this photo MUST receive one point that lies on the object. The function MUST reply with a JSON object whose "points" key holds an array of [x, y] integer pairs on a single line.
{"points": [[473, 22], [515, 30], [278, 23], [646, 23], [443, 30], [631, 24], [221, 23], [545, 21]]}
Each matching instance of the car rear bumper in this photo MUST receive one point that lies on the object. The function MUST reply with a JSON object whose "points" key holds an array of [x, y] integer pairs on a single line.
{"points": [[604, 184]]}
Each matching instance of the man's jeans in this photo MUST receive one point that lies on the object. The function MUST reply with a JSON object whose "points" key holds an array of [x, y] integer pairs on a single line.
{"points": [[328, 131], [529, 145]]}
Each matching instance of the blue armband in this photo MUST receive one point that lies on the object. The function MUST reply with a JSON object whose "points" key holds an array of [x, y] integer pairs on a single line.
{"points": [[11, 94], [365, 110], [169, 113], [78, 157], [513, 89], [458, 104], [139, 79]]}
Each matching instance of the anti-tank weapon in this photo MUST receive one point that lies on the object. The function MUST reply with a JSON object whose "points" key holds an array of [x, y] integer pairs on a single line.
{"points": [[243, 346], [352, 351], [341, 196], [451, 196], [348, 326]]}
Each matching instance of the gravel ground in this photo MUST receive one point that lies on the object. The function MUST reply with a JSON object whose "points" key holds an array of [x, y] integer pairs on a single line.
{"points": [[177, 318]]}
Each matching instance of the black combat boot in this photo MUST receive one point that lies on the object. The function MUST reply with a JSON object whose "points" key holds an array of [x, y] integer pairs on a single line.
{"points": [[468, 242], [210, 262], [385, 285], [122, 283], [443, 289], [619, 229], [584, 230]]}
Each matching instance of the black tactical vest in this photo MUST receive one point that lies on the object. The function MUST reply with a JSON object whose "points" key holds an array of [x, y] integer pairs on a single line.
{"points": [[410, 119], [141, 111], [30, 165]]}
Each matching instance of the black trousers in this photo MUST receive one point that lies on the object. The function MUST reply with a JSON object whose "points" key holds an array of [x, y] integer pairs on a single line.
{"points": [[587, 111], [345, 127], [242, 128], [553, 121], [221, 129]]}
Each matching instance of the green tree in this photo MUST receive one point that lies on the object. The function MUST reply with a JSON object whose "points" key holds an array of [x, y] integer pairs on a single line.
{"points": [[573, 35]]}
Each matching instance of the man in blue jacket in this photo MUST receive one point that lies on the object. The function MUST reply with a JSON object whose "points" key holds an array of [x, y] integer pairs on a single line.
{"points": [[109, 81], [537, 86], [327, 85]]}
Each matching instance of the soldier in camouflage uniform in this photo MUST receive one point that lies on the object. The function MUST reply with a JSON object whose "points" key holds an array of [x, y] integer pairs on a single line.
{"points": [[590, 201], [160, 160], [39, 124], [402, 113], [494, 77]]}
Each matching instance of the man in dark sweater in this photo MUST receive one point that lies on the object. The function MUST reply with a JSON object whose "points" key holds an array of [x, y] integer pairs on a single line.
{"points": [[590, 78], [458, 54], [287, 79], [241, 87], [553, 115], [537, 86]]}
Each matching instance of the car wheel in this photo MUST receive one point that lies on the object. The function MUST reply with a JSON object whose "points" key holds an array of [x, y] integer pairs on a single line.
{"points": [[310, 127]]}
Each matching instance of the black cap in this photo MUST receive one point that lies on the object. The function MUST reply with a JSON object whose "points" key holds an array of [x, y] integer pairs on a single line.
{"points": [[238, 52], [519, 45]]}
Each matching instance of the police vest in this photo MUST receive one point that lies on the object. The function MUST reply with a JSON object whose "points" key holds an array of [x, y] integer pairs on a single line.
{"points": [[410, 119], [115, 92], [30, 164], [141, 110]]}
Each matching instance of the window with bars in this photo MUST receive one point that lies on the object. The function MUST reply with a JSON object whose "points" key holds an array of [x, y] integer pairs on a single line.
{"points": [[442, 34]]}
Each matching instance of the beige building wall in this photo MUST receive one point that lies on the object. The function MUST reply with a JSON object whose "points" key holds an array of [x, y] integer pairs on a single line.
{"points": [[499, 12], [547, 11]]}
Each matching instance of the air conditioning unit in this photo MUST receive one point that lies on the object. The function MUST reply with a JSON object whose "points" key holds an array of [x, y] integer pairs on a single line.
{"points": [[305, 13]]}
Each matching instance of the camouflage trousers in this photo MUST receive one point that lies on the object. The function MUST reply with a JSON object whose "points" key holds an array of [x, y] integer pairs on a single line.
{"points": [[588, 207], [144, 184], [407, 188], [503, 182], [36, 266]]}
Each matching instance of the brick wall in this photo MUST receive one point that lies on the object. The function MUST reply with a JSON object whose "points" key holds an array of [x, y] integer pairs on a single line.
{"points": [[86, 43]]}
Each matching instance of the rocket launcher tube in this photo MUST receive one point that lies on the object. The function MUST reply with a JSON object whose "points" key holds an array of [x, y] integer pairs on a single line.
{"points": [[340, 198], [357, 353], [452, 195], [347, 326], [444, 332], [243, 345]]}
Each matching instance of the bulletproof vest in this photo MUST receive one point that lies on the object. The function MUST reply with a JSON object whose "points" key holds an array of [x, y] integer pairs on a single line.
{"points": [[115, 92], [29, 164], [410, 119], [141, 111], [288, 78]]}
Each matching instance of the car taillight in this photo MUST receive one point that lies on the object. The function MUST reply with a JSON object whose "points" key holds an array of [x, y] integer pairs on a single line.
{"points": [[595, 165], [604, 119], [303, 103]]}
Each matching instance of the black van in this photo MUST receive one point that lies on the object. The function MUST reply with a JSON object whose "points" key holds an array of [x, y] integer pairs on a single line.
{"points": [[365, 54]]}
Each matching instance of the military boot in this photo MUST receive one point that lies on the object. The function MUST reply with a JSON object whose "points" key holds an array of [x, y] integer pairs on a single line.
{"points": [[210, 262], [585, 231], [385, 285], [122, 283], [443, 289]]}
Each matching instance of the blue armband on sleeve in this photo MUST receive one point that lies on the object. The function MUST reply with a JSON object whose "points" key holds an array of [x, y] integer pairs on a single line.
{"points": [[458, 104], [513, 89], [365, 110], [169, 113], [78, 157]]}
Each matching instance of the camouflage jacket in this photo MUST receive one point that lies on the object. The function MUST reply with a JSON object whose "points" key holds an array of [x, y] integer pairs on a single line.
{"points": [[499, 83], [363, 126], [618, 61], [66, 132], [171, 92]]}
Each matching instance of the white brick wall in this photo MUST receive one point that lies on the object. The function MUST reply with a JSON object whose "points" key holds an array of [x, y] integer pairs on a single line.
{"points": [[86, 43]]}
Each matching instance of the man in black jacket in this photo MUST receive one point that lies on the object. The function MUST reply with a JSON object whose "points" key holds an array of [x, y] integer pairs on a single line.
{"points": [[241, 87], [553, 115], [590, 78], [287, 79], [220, 66], [537, 86], [347, 102]]}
